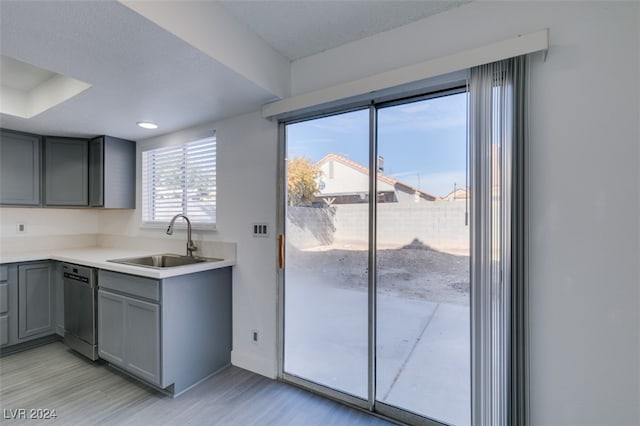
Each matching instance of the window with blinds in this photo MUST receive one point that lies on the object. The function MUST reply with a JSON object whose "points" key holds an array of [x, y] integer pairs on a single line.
{"points": [[180, 179]]}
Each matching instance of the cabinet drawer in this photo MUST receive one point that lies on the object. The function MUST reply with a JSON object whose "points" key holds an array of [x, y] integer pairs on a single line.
{"points": [[4, 330], [3, 272], [130, 284], [4, 298]]}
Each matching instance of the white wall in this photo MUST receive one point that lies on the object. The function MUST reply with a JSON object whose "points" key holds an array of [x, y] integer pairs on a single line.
{"points": [[246, 180], [47, 222], [584, 187]]}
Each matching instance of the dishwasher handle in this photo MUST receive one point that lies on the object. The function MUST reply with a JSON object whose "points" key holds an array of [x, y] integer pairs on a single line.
{"points": [[74, 277], [77, 274]]}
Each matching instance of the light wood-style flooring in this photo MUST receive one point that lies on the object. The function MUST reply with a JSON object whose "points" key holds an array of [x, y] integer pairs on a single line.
{"points": [[85, 393]]}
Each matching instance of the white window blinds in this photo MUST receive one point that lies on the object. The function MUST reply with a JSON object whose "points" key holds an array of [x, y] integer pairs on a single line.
{"points": [[180, 179]]}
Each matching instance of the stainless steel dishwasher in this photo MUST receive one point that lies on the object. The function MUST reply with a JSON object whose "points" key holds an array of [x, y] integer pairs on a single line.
{"points": [[80, 309]]}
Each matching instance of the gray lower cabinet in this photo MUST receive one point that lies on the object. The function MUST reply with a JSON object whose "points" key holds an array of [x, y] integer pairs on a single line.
{"points": [[111, 327], [171, 333], [143, 339], [35, 300], [66, 172], [59, 298], [4, 306], [19, 168], [129, 334], [27, 302], [112, 173]]}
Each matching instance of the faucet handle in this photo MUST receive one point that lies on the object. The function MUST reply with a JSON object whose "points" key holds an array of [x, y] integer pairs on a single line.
{"points": [[191, 247]]}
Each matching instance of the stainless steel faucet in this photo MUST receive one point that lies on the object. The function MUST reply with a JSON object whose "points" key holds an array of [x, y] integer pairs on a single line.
{"points": [[190, 246]]}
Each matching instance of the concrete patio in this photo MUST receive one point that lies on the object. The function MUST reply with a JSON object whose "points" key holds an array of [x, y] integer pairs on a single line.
{"points": [[423, 351]]}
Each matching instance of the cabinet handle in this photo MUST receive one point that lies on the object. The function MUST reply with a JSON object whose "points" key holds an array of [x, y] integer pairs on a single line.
{"points": [[281, 251]]}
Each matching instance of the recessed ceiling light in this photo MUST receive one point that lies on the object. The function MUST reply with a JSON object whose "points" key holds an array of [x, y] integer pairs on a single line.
{"points": [[147, 125]]}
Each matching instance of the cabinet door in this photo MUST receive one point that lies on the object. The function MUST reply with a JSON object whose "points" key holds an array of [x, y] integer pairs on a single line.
{"points": [[114, 184], [4, 313], [4, 330], [4, 297], [96, 172], [58, 298], [111, 327], [4, 306], [35, 300], [66, 172], [19, 168], [142, 339]]}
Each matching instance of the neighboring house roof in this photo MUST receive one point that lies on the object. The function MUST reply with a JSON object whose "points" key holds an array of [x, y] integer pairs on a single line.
{"points": [[458, 194], [383, 178]]}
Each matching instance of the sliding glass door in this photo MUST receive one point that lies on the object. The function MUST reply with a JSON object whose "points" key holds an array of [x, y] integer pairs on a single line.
{"points": [[376, 297], [403, 276], [325, 298], [422, 269]]}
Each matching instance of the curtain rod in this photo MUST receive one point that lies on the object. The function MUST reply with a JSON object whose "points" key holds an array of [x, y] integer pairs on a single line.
{"points": [[520, 45]]}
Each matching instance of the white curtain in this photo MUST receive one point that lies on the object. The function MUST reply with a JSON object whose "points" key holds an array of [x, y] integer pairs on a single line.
{"points": [[497, 119]]}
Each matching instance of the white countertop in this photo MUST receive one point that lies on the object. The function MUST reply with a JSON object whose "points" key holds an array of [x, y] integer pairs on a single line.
{"points": [[97, 257]]}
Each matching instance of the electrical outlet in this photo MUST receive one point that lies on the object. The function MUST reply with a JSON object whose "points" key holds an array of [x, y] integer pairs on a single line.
{"points": [[21, 228], [254, 337], [260, 230]]}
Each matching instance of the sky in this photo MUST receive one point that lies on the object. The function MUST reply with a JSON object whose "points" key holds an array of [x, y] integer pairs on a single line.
{"points": [[423, 143]]}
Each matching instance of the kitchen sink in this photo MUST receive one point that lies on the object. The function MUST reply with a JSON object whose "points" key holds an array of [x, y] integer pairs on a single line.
{"points": [[164, 260]]}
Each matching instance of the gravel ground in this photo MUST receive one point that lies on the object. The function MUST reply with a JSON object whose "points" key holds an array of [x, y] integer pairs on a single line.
{"points": [[414, 271]]}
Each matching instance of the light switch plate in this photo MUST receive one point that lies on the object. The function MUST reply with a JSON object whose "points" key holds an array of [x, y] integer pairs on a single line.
{"points": [[260, 230], [21, 228]]}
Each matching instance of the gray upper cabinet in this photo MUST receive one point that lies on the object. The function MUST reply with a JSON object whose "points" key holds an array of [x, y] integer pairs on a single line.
{"points": [[96, 172], [112, 173], [66, 172], [72, 172], [19, 168]]}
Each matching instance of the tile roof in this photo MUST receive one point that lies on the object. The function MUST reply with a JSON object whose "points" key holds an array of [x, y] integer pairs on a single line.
{"points": [[357, 166]]}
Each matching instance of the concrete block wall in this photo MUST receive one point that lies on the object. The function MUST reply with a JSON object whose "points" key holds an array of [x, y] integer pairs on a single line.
{"points": [[310, 227], [439, 225]]}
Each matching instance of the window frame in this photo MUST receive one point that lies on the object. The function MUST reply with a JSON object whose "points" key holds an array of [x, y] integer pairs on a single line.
{"points": [[146, 196]]}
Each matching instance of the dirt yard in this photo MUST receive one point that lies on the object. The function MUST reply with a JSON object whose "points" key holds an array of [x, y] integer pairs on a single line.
{"points": [[414, 271]]}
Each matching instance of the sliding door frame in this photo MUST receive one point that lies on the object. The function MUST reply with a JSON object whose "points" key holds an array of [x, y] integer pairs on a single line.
{"points": [[370, 404], [371, 276], [354, 401]]}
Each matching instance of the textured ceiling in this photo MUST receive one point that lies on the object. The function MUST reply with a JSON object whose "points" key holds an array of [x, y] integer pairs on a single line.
{"points": [[305, 27], [140, 71], [137, 70]]}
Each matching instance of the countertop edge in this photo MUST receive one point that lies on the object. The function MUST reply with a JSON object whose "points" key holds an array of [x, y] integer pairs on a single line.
{"points": [[98, 258]]}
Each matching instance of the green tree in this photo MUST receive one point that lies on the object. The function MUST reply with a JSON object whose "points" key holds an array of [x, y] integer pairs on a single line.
{"points": [[301, 181]]}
